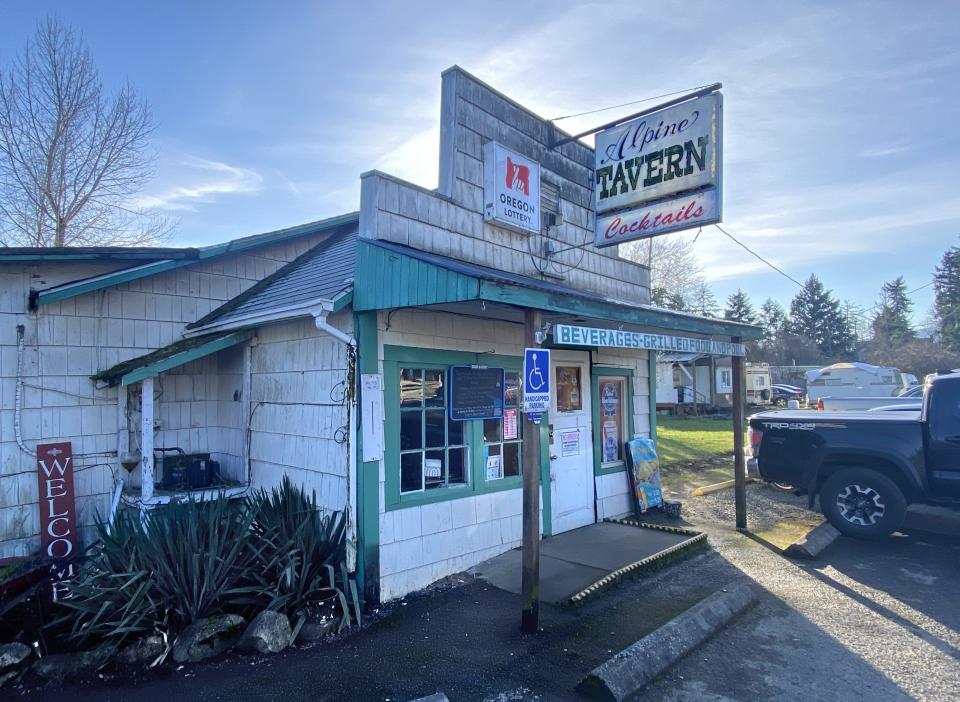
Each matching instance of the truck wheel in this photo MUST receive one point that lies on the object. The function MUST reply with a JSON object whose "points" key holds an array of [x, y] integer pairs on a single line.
{"points": [[863, 503]]}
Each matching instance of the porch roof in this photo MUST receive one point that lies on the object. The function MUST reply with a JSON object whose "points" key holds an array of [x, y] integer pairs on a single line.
{"points": [[170, 356], [391, 275]]}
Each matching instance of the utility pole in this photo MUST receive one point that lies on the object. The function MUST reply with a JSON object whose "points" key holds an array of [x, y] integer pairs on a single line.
{"points": [[530, 583], [739, 467]]}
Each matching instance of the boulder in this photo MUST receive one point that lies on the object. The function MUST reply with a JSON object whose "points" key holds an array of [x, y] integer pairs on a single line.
{"points": [[206, 638], [12, 655], [269, 632], [143, 651], [62, 666]]}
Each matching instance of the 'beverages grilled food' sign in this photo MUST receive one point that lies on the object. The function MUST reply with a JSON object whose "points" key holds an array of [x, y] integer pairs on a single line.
{"points": [[660, 172]]}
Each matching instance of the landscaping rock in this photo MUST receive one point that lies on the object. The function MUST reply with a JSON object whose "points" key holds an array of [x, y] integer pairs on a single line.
{"points": [[12, 655], [269, 632], [206, 638], [62, 666], [143, 651], [315, 630]]}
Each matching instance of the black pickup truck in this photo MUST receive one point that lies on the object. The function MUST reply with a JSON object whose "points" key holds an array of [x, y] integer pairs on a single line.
{"points": [[866, 466]]}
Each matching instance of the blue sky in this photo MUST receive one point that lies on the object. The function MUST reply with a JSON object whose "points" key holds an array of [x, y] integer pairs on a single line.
{"points": [[840, 152]]}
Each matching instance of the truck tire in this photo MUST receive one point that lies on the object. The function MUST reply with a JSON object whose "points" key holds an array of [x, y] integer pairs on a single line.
{"points": [[863, 503]]}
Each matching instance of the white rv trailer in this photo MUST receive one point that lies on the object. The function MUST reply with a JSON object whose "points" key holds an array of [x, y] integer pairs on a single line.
{"points": [[853, 380]]}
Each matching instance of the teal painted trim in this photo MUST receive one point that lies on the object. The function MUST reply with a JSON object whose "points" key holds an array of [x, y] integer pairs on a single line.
{"points": [[652, 365], [569, 304], [407, 354], [45, 297], [203, 254], [342, 300], [388, 280], [184, 357], [595, 374], [368, 472], [394, 358], [546, 496]]}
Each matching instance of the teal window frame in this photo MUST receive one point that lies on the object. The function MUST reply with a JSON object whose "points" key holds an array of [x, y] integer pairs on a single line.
{"points": [[596, 373], [397, 357]]}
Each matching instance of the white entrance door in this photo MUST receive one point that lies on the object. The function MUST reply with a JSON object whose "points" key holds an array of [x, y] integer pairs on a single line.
{"points": [[571, 447]]}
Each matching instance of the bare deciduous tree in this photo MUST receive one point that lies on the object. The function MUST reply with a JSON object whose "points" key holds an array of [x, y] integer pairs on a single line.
{"points": [[676, 279], [71, 157]]}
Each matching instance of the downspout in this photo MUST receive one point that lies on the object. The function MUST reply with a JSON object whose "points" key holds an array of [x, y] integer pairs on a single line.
{"points": [[320, 319]]}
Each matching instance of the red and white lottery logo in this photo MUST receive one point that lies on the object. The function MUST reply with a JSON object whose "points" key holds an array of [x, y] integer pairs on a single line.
{"points": [[518, 177]]}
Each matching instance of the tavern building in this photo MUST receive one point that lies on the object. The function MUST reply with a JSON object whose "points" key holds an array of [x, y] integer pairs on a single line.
{"points": [[326, 352]]}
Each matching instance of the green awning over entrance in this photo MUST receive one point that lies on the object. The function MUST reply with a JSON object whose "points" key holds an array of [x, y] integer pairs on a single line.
{"points": [[391, 275]]}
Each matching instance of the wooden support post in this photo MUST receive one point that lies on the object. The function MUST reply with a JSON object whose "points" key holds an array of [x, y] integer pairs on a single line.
{"points": [[530, 582], [739, 467], [146, 439]]}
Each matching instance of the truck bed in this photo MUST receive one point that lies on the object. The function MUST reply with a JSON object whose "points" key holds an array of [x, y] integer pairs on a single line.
{"points": [[822, 418]]}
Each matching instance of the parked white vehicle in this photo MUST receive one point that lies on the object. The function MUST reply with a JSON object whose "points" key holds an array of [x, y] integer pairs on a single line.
{"points": [[853, 380], [834, 404]]}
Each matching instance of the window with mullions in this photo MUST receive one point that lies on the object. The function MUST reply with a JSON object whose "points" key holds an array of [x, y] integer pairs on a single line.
{"points": [[502, 437], [434, 452]]}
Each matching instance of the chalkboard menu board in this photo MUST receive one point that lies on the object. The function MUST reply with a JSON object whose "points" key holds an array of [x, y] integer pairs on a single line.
{"points": [[476, 392]]}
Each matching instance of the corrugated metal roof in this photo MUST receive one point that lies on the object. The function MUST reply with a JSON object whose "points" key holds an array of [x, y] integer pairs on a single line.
{"points": [[323, 272]]}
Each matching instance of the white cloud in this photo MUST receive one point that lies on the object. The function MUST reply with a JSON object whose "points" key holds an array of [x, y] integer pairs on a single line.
{"points": [[203, 181]]}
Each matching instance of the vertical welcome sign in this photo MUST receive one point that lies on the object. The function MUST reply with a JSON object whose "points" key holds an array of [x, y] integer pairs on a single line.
{"points": [[58, 513]]}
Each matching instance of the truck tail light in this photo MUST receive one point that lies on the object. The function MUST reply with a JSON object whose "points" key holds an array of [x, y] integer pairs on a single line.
{"points": [[820, 405], [754, 436]]}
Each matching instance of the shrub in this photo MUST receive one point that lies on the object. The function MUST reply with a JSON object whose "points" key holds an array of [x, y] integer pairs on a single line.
{"points": [[189, 560], [194, 559], [299, 549]]}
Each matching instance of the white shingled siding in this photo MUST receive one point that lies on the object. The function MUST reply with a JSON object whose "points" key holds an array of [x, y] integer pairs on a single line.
{"points": [[68, 341], [298, 415], [450, 221], [421, 544]]}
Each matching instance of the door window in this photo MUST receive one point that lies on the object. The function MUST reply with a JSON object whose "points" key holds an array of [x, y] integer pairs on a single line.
{"points": [[569, 389]]}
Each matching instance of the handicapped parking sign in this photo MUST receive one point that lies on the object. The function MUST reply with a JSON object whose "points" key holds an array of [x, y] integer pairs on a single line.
{"points": [[536, 383]]}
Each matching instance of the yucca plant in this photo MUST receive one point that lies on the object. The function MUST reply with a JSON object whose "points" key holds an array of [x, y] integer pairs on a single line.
{"points": [[189, 561], [298, 549]]}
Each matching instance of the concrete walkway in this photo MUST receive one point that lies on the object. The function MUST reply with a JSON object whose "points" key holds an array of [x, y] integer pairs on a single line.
{"points": [[574, 560]]}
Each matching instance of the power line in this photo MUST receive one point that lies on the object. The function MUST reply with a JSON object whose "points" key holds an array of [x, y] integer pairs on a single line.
{"points": [[627, 104], [758, 256]]}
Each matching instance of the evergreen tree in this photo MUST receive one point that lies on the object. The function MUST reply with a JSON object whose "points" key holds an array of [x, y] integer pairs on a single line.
{"points": [[891, 323], [773, 319], [739, 308], [816, 315], [946, 308]]}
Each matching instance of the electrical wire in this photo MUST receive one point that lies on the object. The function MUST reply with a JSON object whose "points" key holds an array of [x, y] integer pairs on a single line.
{"points": [[627, 104], [759, 257]]}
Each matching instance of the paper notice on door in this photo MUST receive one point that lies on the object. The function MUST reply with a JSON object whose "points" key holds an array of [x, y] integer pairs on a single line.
{"points": [[570, 443]]}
